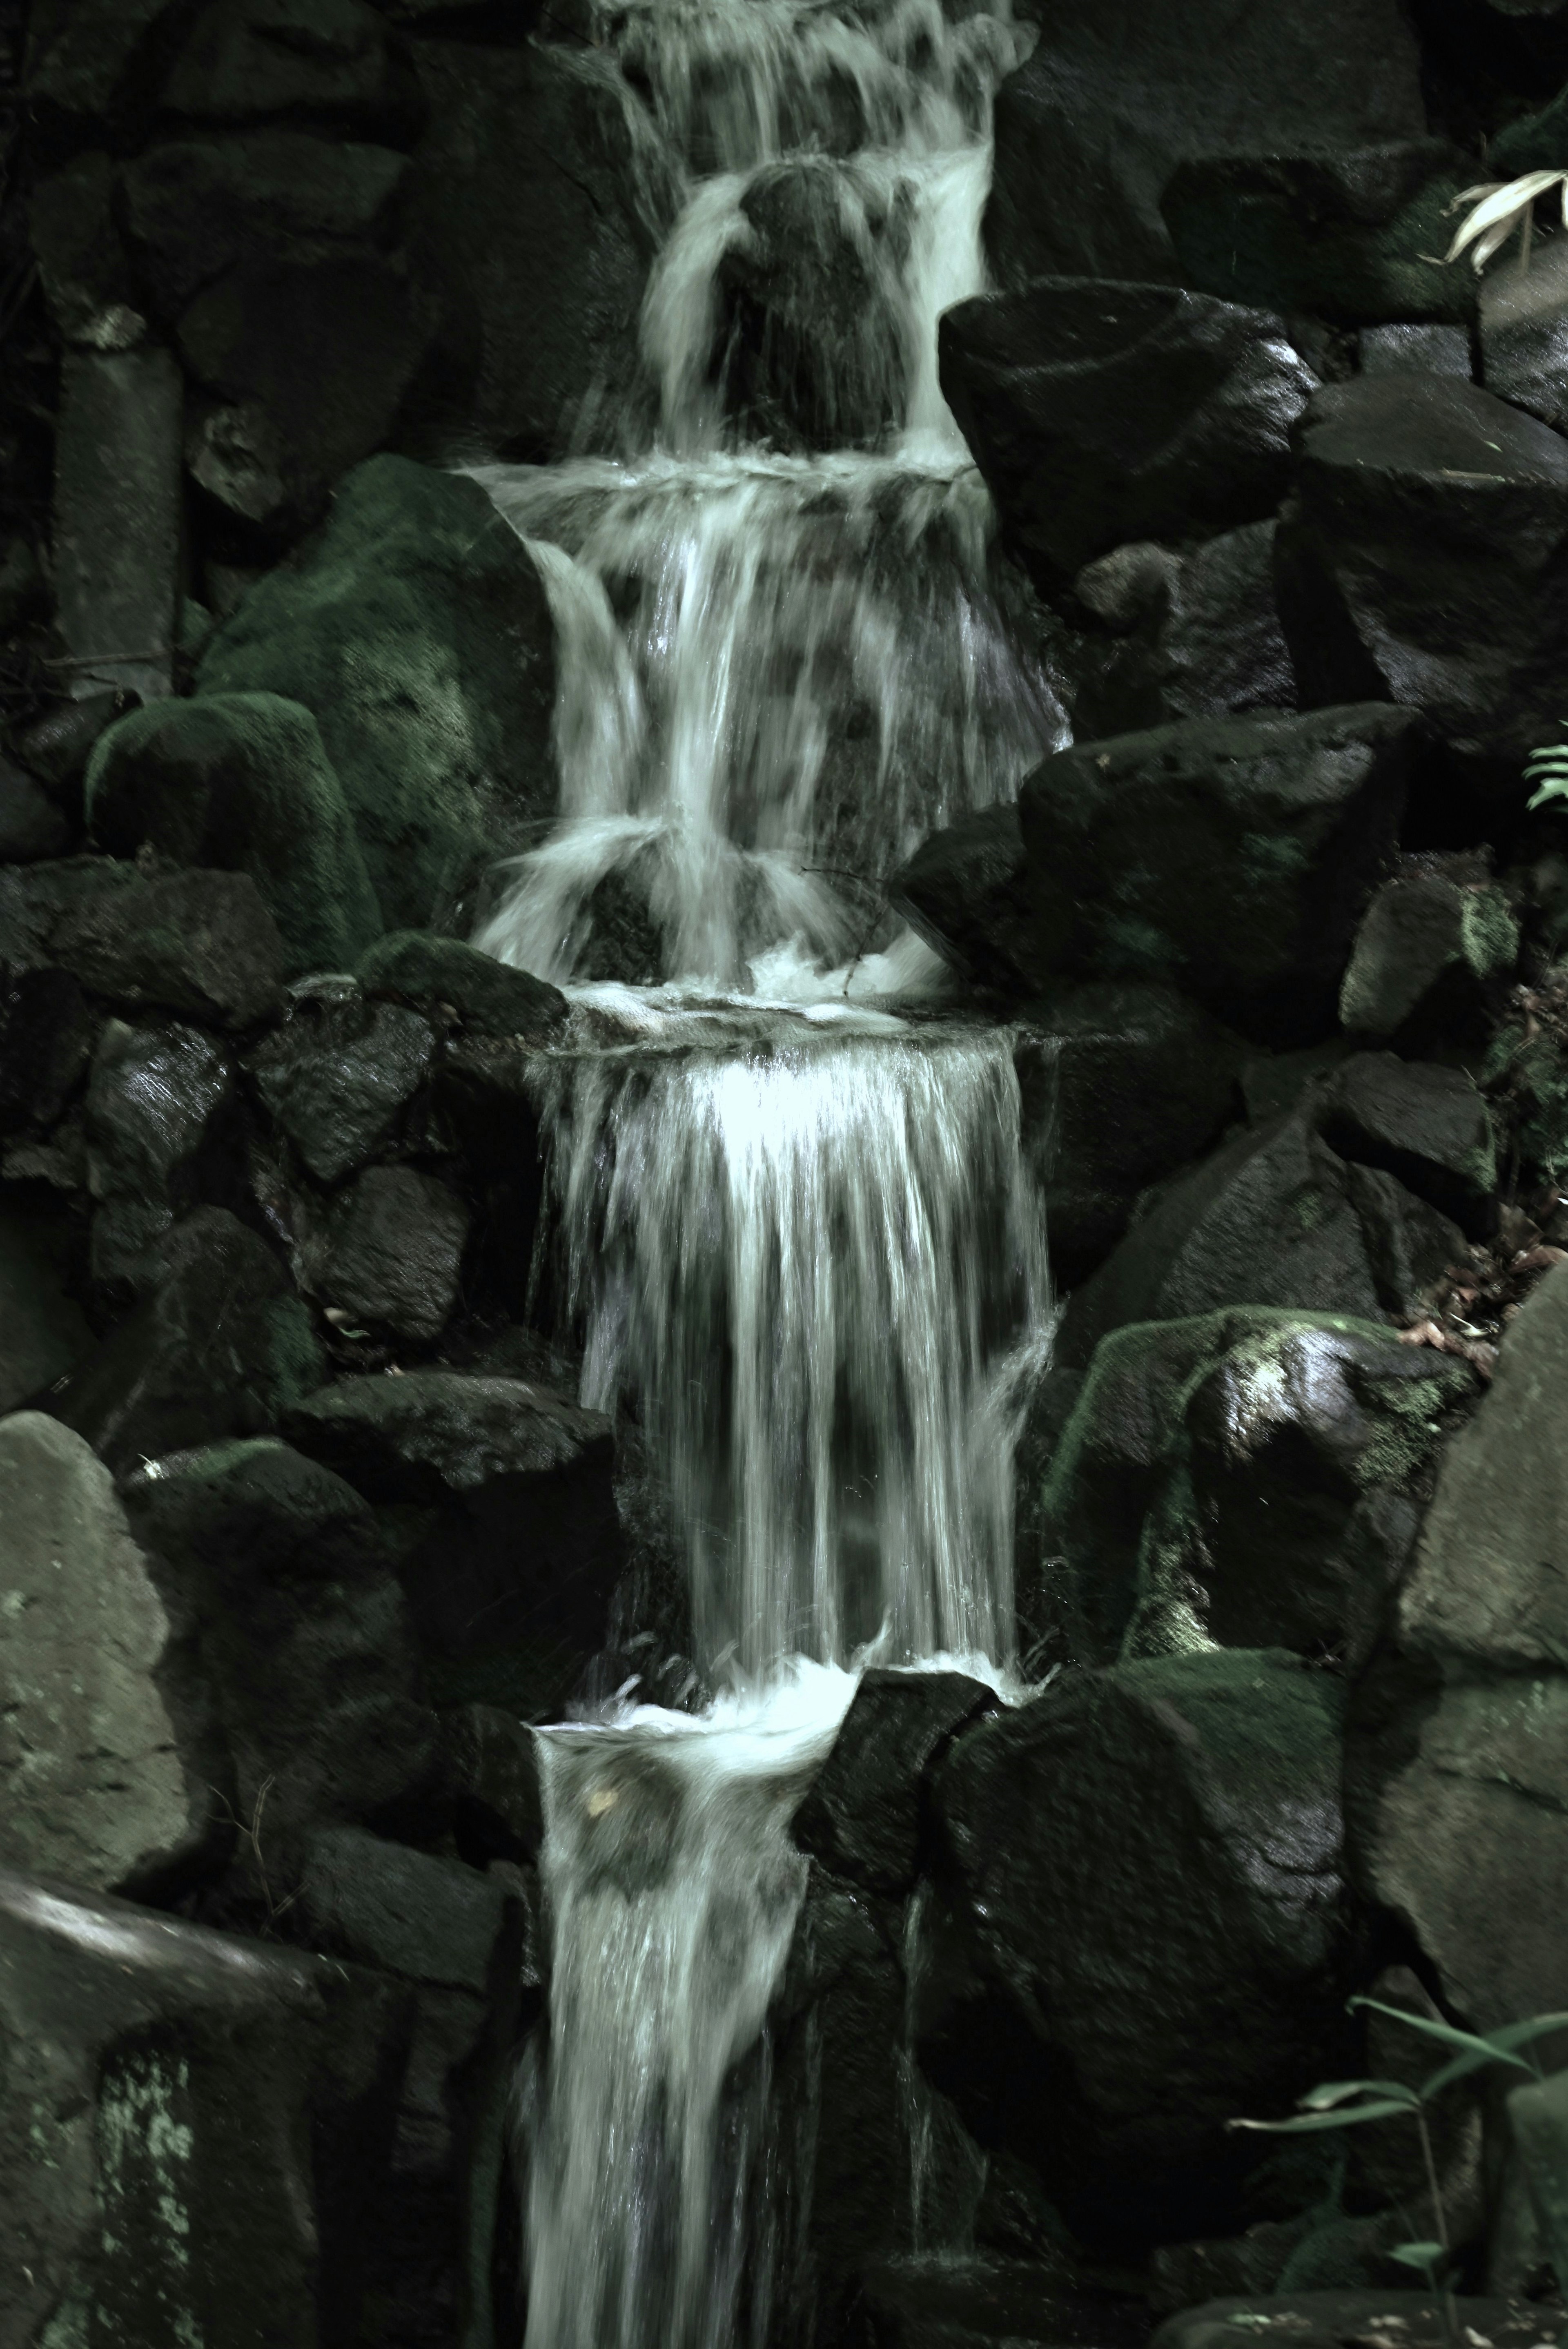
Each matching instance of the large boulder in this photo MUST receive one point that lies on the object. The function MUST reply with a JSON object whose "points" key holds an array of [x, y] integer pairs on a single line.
{"points": [[415, 629], [306, 1641], [1524, 336], [865, 1815], [388, 1252], [1430, 956], [339, 1076], [248, 60], [195, 2129], [518, 1547], [1252, 1478], [1345, 236], [1421, 560], [489, 997], [1426, 1125], [241, 781], [199, 943], [1115, 97], [43, 1331], [105, 1759], [1148, 1930], [535, 206], [157, 1102], [1228, 857], [1104, 412]]}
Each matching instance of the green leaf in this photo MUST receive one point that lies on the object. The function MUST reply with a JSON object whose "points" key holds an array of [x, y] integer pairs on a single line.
{"points": [[1520, 2035], [1552, 791], [1451, 2036], [1418, 2255], [1334, 2092], [1346, 2118]]}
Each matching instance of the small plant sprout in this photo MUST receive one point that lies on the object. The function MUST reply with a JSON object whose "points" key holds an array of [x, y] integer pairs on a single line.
{"points": [[1345, 2103], [1548, 770], [1499, 207]]}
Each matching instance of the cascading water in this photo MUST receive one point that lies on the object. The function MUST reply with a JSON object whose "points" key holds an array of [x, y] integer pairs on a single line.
{"points": [[787, 1211]]}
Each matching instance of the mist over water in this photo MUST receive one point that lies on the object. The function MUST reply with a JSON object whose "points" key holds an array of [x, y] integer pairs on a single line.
{"points": [[789, 1211]]}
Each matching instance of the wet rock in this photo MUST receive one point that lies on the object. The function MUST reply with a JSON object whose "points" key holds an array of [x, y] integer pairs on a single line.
{"points": [[219, 1348], [460, 1938], [1138, 1081], [510, 1577], [1420, 497], [306, 1641], [484, 1092], [118, 514], [1274, 1217], [815, 352], [1229, 857], [1426, 349], [95, 65], [338, 1076], [489, 998], [82, 263], [32, 824], [1332, 2320], [966, 890], [56, 748], [389, 1252], [492, 1768], [194, 2128], [200, 943], [241, 781], [1429, 955], [1136, 1853], [1427, 1126], [247, 60], [864, 1814], [415, 629], [1102, 412], [46, 1033], [1524, 335], [310, 359], [1488, 1588], [155, 1126], [193, 208], [104, 1768], [1249, 1478], [1460, 1799], [529, 215], [1203, 640], [1345, 236], [1091, 129], [43, 1333]]}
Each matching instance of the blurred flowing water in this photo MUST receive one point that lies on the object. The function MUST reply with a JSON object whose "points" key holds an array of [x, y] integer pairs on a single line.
{"points": [[790, 1213]]}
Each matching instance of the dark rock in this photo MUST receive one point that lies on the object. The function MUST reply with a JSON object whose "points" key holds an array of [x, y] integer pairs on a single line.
{"points": [[1140, 1081], [310, 359], [23, 592], [1526, 1076], [380, 1904], [241, 781], [1345, 236], [489, 998], [1488, 1586], [864, 1814], [248, 59], [968, 2302], [194, 2129], [219, 1348], [534, 209], [492, 1773], [305, 1638], [338, 1076], [1428, 1126], [1229, 857], [1091, 129], [965, 890], [415, 629], [155, 1104], [104, 1767], [1429, 955], [1147, 1874], [82, 263], [512, 1576], [389, 1252], [1102, 412], [485, 1093], [46, 1033], [94, 66], [43, 1333], [1422, 562], [117, 515], [1426, 349], [1204, 641], [1249, 1478], [32, 823], [1524, 335], [1273, 1217], [193, 208], [1332, 2320], [56, 748], [815, 347], [200, 943]]}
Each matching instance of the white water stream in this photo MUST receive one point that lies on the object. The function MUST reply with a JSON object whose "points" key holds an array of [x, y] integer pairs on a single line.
{"points": [[788, 1209]]}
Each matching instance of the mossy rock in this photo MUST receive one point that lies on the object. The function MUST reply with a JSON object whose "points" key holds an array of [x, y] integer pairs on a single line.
{"points": [[414, 627], [241, 781], [489, 996]]}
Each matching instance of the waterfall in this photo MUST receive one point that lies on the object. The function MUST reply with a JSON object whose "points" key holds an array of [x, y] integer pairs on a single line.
{"points": [[789, 1209]]}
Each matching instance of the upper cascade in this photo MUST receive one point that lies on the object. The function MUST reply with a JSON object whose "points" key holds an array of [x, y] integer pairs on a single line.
{"points": [[783, 659]]}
